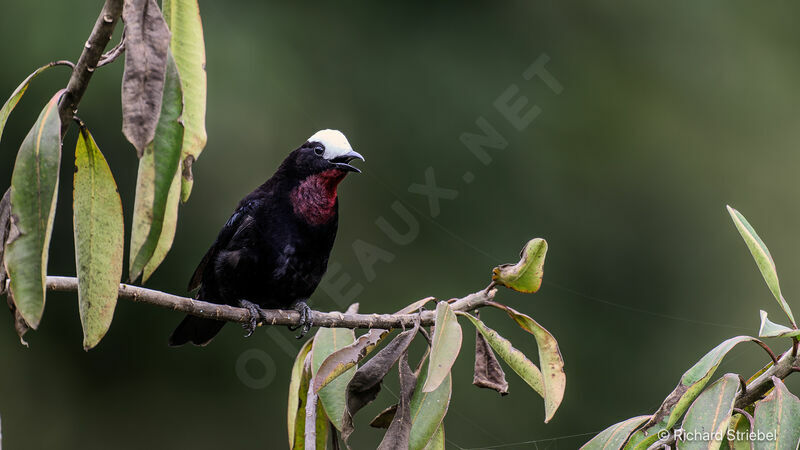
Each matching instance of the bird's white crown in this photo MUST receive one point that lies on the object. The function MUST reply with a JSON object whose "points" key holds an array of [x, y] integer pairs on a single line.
{"points": [[335, 143]]}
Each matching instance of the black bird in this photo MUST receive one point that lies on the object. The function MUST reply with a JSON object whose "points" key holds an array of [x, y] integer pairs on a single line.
{"points": [[274, 249]]}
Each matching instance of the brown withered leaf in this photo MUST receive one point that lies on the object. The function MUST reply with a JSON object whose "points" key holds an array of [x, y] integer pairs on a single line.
{"points": [[343, 359], [385, 417], [20, 326], [5, 227], [366, 382], [488, 373], [146, 44], [397, 436]]}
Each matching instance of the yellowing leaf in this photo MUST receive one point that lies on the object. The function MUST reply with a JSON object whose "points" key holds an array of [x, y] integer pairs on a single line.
{"points": [[188, 48], [157, 168], [517, 360], [553, 376], [526, 275], [763, 259], [98, 226], [445, 345]]}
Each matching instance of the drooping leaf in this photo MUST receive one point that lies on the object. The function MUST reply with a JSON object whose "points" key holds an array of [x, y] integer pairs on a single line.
{"points": [[299, 430], [778, 415], [295, 382], [692, 383], [771, 329], [366, 383], [188, 48], [157, 168], [316, 422], [99, 235], [711, 413], [12, 101], [437, 441], [427, 412], [553, 376], [385, 417], [526, 275], [763, 259], [398, 434], [341, 360], [614, 436], [146, 46], [487, 372], [34, 187], [167, 228], [327, 341], [515, 359], [445, 345]]}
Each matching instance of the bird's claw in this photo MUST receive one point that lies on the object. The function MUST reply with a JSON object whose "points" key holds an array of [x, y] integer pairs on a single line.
{"points": [[255, 316], [305, 319]]}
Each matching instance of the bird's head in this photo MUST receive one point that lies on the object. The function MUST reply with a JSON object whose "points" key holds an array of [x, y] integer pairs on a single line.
{"points": [[325, 152]]}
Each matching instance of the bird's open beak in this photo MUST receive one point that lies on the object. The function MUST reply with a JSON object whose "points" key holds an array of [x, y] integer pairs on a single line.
{"points": [[342, 162]]}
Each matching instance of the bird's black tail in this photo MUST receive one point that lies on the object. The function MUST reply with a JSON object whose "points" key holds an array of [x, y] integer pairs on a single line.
{"points": [[195, 330]]}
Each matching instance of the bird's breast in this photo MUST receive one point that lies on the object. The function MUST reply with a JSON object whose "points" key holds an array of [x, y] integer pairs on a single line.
{"points": [[314, 199]]}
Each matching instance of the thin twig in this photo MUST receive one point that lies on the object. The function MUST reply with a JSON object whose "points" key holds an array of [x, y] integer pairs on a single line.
{"points": [[87, 63], [111, 55], [276, 316]]}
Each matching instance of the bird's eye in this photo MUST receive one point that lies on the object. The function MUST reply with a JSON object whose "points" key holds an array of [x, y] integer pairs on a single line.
{"points": [[318, 150]]}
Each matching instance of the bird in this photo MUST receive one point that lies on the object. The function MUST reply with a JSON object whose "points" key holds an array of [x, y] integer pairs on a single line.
{"points": [[274, 249]]}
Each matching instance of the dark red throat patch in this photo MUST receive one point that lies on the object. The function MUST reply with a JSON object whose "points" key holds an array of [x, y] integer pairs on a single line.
{"points": [[315, 198]]}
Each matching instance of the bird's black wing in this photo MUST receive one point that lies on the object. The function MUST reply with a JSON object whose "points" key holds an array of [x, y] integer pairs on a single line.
{"points": [[239, 221]]}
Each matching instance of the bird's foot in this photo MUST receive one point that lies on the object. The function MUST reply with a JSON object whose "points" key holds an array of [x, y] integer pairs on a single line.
{"points": [[255, 316], [305, 318]]}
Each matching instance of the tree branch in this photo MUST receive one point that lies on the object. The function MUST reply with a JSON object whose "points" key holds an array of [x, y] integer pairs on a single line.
{"points": [[277, 316], [87, 63], [759, 387]]}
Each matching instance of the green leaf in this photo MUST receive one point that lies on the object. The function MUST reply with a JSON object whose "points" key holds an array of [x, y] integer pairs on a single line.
{"points": [[711, 412], [526, 275], [295, 382], [445, 345], [12, 101], [692, 383], [99, 238], [614, 436], [772, 329], [34, 189], [515, 359], [437, 441], [553, 376], [157, 168], [763, 259], [778, 414], [739, 430], [188, 47], [327, 341], [427, 412], [167, 228]]}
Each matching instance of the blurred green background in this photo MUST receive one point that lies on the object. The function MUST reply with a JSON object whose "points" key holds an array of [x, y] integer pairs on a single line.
{"points": [[668, 112]]}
